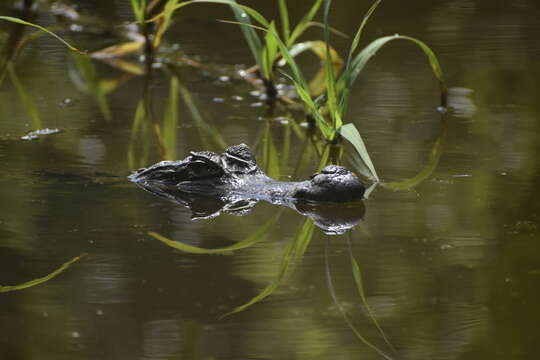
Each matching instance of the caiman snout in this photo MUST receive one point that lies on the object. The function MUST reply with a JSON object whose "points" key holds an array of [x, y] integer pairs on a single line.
{"points": [[333, 184]]}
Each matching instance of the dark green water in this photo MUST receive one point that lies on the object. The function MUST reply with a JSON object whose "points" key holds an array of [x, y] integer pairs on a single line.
{"points": [[451, 269]]}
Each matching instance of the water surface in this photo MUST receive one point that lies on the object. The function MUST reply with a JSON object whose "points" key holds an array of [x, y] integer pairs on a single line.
{"points": [[450, 269]]}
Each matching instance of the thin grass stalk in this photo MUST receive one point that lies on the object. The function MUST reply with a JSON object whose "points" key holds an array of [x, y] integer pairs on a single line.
{"points": [[270, 155], [330, 79], [286, 262], [139, 8], [339, 307], [286, 147], [170, 121], [302, 240], [358, 63], [92, 84], [25, 97], [164, 22], [428, 169], [41, 280], [284, 15], [292, 256], [304, 23], [202, 126], [252, 39], [357, 274], [254, 238], [137, 126], [358, 34], [20, 21]]}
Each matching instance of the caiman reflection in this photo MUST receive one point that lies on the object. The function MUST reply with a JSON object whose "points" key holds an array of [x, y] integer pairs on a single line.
{"points": [[210, 184]]}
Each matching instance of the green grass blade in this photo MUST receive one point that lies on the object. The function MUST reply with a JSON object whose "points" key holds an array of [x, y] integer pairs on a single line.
{"points": [[137, 126], [292, 256], [304, 23], [318, 84], [137, 9], [302, 240], [357, 274], [325, 157], [26, 98], [286, 146], [201, 124], [55, 273], [170, 121], [269, 53], [350, 132], [358, 34], [300, 84], [270, 155], [330, 82], [251, 37], [332, 29], [327, 132], [269, 290], [350, 75], [250, 11], [164, 21], [427, 170], [168, 11], [92, 84], [20, 21], [249, 241], [284, 14], [204, 129], [339, 307]]}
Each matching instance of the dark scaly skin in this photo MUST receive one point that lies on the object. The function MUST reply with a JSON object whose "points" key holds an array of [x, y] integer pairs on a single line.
{"points": [[235, 175]]}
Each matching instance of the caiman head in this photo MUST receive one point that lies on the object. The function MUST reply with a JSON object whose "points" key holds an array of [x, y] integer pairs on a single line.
{"points": [[202, 166], [200, 169], [333, 184]]}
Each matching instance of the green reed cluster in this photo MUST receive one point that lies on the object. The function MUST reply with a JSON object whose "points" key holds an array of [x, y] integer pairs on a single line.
{"points": [[325, 100]]}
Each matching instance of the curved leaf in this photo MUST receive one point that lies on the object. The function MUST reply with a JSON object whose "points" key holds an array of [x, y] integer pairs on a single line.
{"points": [[429, 168], [350, 132], [292, 256], [20, 21], [55, 273], [350, 74], [251, 240]]}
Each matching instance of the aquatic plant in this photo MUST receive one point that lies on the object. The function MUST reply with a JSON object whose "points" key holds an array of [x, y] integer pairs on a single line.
{"points": [[329, 109], [41, 28], [41, 280], [358, 282], [7, 66], [266, 51]]}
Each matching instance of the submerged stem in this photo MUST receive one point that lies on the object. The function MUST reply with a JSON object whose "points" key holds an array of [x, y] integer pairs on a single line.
{"points": [[342, 311]]}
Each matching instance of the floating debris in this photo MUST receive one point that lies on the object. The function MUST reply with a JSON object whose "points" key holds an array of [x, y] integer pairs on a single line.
{"points": [[461, 102], [224, 78], [35, 134], [68, 102]]}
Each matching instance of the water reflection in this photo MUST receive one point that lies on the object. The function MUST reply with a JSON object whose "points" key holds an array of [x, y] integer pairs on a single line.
{"points": [[332, 219]]}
